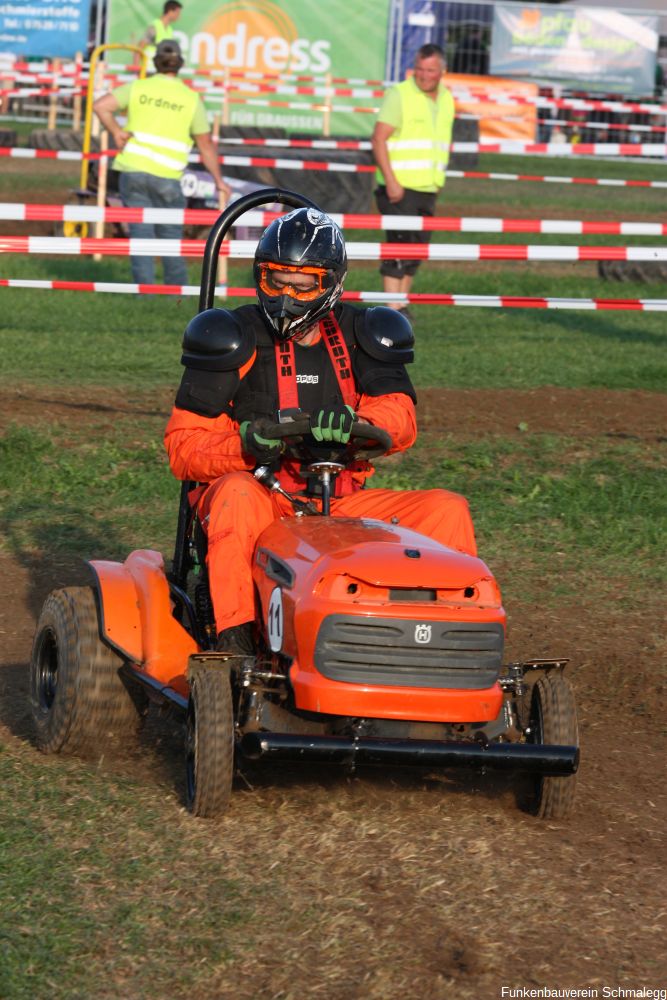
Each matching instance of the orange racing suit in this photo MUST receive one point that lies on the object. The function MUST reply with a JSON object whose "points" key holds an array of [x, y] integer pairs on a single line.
{"points": [[234, 508]]}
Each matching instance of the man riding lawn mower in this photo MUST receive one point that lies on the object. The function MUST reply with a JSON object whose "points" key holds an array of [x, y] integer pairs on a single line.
{"points": [[304, 617]]}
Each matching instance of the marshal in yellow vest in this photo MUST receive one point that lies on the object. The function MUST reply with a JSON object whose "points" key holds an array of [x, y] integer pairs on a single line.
{"points": [[162, 32], [419, 148], [159, 116]]}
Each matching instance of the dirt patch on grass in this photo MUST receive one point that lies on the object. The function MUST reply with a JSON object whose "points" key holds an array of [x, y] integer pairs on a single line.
{"points": [[572, 412], [550, 410], [426, 886]]}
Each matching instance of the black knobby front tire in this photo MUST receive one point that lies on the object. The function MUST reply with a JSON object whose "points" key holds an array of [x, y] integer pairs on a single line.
{"points": [[209, 743], [80, 701], [553, 720]]}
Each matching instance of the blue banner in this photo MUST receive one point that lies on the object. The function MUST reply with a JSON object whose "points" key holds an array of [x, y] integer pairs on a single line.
{"points": [[44, 28]]}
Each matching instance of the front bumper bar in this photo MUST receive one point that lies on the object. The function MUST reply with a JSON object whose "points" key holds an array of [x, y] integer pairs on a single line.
{"points": [[539, 759]]}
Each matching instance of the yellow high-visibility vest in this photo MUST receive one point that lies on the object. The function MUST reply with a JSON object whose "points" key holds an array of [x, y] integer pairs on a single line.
{"points": [[419, 149], [159, 116], [161, 33]]}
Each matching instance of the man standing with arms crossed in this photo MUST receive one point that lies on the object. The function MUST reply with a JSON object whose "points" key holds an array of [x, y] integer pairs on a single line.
{"points": [[163, 117], [411, 143]]}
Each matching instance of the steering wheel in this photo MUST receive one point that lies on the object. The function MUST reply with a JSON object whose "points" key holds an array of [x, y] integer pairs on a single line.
{"points": [[294, 431]]}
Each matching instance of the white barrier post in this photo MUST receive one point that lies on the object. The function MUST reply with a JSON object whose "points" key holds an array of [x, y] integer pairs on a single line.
{"points": [[76, 101], [53, 99], [225, 97], [102, 173], [222, 261], [326, 116]]}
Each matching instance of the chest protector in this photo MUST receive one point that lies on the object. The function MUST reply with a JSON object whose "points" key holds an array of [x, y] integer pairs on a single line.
{"points": [[286, 376], [360, 352]]}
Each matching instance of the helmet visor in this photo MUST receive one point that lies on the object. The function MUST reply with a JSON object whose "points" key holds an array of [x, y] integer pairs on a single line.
{"points": [[304, 284]]}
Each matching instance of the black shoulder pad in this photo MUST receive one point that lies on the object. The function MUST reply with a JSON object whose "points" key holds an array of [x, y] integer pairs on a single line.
{"points": [[216, 341], [386, 335], [208, 393]]}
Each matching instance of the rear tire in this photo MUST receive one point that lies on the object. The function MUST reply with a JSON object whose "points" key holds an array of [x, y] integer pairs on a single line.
{"points": [[80, 701], [553, 720], [209, 743]]}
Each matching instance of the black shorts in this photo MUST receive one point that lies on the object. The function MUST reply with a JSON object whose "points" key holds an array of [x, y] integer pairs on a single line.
{"points": [[412, 203]]}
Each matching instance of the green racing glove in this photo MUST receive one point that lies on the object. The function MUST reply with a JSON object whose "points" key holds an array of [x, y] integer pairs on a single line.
{"points": [[333, 423], [255, 442]]}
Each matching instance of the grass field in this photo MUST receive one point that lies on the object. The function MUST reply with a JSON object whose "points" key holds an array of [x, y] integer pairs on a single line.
{"points": [[107, 888]]}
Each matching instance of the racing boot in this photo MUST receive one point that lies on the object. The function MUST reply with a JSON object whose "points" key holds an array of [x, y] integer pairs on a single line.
{"points": [[237, 640]]}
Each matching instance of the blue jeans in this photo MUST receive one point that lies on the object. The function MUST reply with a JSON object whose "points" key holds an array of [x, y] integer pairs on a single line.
{"points": [[138, 190]]}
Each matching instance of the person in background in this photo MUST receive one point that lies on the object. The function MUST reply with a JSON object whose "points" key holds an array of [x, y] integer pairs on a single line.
{"points": [[471, 54], [298, 348], [411, 142], [160, 30], [163, 117]]}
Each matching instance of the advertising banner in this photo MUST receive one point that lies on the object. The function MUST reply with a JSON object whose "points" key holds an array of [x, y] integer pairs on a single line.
{"points": [[254, 38], [594, 48], [47, 29], [498, 119]]}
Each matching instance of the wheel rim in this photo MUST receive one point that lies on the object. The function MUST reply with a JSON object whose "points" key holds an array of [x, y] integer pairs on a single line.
{"points": [[75, 229], [535, 783], [47, 671], [536, 722]]}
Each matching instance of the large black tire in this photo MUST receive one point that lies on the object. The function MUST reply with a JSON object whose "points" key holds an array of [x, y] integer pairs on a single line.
{"points": [[553, 720], [80, 700], [209, 743], [633, 270], [55, 138]]}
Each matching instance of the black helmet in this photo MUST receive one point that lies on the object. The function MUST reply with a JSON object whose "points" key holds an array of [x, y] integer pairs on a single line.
{"points": [[307, 242]]}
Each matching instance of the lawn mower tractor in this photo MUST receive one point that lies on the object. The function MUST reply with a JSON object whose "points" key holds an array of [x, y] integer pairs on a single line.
{"points": [[375, 644]]}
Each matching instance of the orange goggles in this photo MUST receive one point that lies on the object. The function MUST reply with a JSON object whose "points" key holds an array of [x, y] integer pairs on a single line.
{"points": [[274, 280]]}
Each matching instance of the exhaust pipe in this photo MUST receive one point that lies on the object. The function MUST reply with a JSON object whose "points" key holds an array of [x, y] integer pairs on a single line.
{"points": [[539, 759]]}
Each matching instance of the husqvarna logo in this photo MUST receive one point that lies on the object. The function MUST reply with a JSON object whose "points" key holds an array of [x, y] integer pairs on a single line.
{"points": [[422, 634]]}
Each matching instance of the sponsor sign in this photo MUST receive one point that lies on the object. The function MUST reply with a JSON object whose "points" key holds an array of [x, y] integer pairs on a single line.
{"points": [[593, 48], [496, 120], [47, 29], [265, 37]]}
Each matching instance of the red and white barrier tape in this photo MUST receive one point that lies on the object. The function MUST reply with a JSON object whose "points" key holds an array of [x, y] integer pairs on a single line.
{"points": [[277, 76], [32, 70], [562, 103], [483, 175], [606, 126], [213, 86], [476, 301], [416, 223], [41, 92], [507, 147], [244, 86], [245, 249], [12, 67]]}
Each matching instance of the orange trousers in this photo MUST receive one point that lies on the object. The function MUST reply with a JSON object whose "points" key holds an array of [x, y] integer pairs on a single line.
{"points": [[235, 509]]}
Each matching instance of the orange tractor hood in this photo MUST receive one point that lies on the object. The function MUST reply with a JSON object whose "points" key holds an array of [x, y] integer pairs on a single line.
{"points": [[369, 550]]}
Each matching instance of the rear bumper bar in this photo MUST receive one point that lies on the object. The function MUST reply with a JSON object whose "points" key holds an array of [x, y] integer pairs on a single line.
{"points": [[540, 759]]}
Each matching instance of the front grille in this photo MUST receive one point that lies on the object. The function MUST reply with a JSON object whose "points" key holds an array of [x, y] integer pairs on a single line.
{"points": [[409, 653]]}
